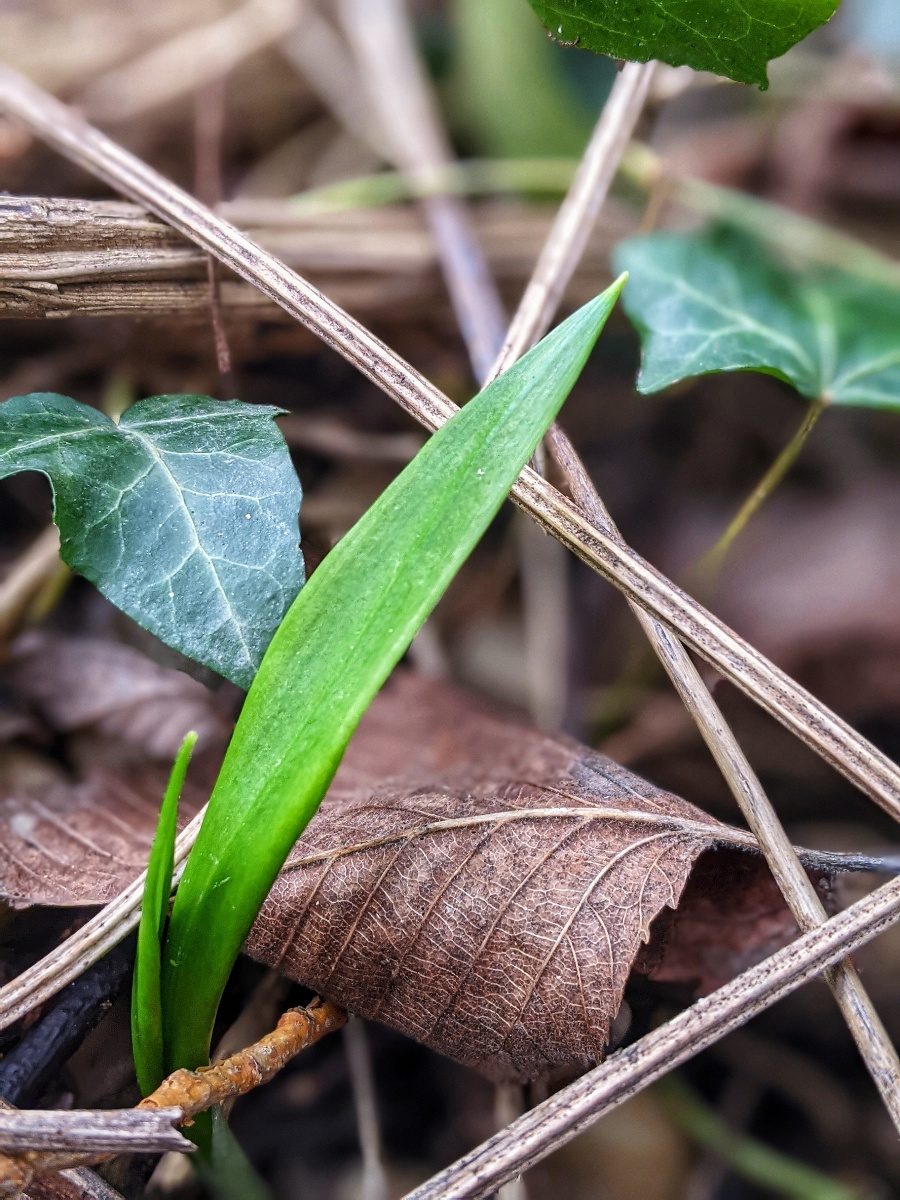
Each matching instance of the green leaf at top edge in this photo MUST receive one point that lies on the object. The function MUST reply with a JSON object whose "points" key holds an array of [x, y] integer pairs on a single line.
{"points": [[735, 38], [333, 651], [720, 301], [184, 514]]}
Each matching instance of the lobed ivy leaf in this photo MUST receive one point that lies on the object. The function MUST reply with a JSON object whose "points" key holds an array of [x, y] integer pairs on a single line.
{"points": [[333, 651], [720, 301], [184, 514], [736, 38]]}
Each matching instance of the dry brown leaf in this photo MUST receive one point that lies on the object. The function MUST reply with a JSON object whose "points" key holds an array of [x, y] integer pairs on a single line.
{"points": [[65, 842], [731, 916], [82, 683], [476, 884], [489, 894], [81, 843]]}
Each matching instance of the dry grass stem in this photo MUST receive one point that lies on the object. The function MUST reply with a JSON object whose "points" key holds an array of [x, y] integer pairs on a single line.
{"points": [[188, 61], [864, 1024], [25, 580], [365, 1102], [401, 94], [578, 212], [317, 51]]}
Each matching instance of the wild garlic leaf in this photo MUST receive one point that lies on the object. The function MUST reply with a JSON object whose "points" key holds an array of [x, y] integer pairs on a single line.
{"points": [[736, 38], [184, 514], [720, 301], [341, 638]]}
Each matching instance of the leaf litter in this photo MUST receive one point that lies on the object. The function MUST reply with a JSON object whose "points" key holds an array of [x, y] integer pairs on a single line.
{"points": [[470, 881]]}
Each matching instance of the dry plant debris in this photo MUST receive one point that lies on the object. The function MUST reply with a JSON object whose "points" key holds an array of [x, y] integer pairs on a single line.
{"points": [[380, 262], [80, 1139], [469, 881]]}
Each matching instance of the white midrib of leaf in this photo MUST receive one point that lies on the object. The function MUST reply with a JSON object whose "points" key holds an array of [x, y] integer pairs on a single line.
{"points": [[740, 321], [198, 546]]}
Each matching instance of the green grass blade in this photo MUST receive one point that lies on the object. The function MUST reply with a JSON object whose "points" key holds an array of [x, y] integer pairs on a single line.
{"points": [[226, 1170], [331, 654], [146, 1004]]}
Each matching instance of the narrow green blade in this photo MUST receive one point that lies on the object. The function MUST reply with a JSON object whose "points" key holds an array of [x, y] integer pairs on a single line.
{"points": [[146, 1003], [331, 654]]}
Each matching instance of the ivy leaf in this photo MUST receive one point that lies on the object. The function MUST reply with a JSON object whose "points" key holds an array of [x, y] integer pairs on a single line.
{"points": [[736, 38], [719, 301], [184, 514]]}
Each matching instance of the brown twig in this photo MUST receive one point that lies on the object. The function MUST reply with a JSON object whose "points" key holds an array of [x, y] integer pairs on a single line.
{"points": [[180, 1097], [78, 1183], [196, 1091], [119, 1131], [51, 266]]}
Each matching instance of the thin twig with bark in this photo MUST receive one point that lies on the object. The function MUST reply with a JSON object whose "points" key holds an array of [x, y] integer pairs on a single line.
{"points": [[179, 1098]]}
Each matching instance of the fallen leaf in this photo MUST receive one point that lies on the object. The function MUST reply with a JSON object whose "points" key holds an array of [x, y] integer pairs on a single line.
{"points": [[82, 683], [480, 886], [730, 917], [81, 843], [71, 841]]}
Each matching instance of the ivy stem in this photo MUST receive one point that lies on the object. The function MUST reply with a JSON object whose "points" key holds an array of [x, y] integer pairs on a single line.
{"points": [[709, 566]]}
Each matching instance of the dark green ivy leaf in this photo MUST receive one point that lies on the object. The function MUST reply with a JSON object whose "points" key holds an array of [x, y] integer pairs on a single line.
{"points": [[720, 301], [184, 514], [736, 38]]}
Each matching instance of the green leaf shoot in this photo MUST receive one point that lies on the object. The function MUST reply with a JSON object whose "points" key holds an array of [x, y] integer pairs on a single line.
{"points": [[333, 651], [146, 1002], [184, 514], [735, 38], [720, 301], [226, 1169]]}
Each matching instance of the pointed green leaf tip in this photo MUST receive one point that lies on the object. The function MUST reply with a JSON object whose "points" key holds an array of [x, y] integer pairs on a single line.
{"points": [[334, 649], [735, 38], [184, 514]]}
